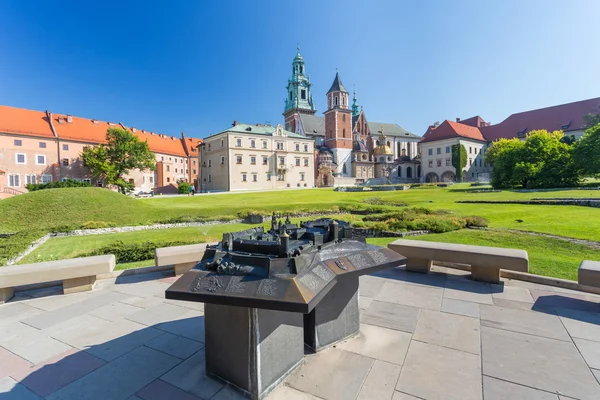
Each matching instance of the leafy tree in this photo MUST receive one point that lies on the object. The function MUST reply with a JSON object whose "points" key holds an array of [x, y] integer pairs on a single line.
{"points": [[459, 160], [123, 152], [591, 120], [543, 160], [183, 187], [586, 152]]}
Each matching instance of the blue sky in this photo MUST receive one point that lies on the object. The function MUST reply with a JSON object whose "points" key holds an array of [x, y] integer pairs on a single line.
{"points": [[195, 66]]}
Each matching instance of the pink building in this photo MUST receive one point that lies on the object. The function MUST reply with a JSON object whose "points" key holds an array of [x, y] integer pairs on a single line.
{"points": [[38, 147]]}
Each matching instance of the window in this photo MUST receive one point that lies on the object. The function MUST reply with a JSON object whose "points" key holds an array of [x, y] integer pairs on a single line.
{"points": [[253, 160], [254, 178], [306, 162], [175, 170], [162, 158], [447, 162], [46, 178], [479, 162], [31, 179], [170, 159], [222, 160], [265, 160], [19, 143], [208, 150], [238, 159], [210, 163], [268, 176], [279, 145], [253, 143], [344, 131], [343, 117], [209, 177], [168, 168], [297, 146], [194, 171], [470, 150], [168, 179], [42, 145], [305, 147], [86, 180], [194, 162], [439, 163], [65, 147], [439, 150], [40, 159], [243, 177], [430, 152], [297, 162], [14, 180], [221, 142], [281, 160], [302, 92], [20, 158], [430, 164], [151, 179], [470, 162], [301, 176], [264, 145], [335, 102], [280, 177], [447, 149], [238, 142]]}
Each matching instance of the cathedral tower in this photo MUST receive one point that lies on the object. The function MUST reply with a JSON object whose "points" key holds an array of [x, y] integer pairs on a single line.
{"points": [[338, 126], [299, 99]]}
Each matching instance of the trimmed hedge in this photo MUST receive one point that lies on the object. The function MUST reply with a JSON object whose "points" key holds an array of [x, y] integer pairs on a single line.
{"points": [[131, 252], [32, 187]]}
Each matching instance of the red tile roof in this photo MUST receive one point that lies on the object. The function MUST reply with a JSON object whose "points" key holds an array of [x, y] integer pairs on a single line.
{"points": [[475, 121], [449, 129], [565, 117], [159, 143], [25, 122]]}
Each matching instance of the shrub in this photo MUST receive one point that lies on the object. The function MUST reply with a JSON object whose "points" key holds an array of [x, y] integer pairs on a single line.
{"points": [[183, 187], [243, 214], [476, 221], [64, 228], [32, 187], [131, 252]]}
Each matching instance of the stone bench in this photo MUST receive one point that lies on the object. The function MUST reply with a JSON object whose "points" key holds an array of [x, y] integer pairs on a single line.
{"points": [[589, 273], [77, 274], [486, 262], [182, 258]]}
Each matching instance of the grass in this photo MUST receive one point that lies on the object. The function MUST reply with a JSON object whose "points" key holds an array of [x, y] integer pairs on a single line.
{"points": [[34, 214], [547, 256]]}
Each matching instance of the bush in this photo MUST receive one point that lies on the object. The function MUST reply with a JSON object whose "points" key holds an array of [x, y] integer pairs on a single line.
{"points": [[476, 221], [64, 228], [96, 225], [183, 187], [32, 187], [131, 252], [378, 201]]}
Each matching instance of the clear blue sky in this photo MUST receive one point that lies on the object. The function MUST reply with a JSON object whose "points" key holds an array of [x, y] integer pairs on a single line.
{"points": [[195, 66]]}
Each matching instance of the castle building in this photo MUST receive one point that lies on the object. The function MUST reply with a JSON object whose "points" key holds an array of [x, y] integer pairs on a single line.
{"points": [[344, 139]]}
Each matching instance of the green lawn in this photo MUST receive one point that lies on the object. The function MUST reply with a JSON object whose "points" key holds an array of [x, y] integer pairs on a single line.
{"points": [[547, 256]]}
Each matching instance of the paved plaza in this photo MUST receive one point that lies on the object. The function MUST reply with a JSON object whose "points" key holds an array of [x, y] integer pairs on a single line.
{"points": [[437, 336]]}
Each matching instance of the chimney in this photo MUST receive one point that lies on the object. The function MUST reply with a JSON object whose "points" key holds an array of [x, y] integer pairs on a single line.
{"points": [[70, 119], [133, 129], [259, 125], [61, 120], [436, 124], [95, 121], [234, 123], [457, 119]]}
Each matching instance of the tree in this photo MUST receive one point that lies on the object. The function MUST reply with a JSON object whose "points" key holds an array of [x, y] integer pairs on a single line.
{"points": [[459, 160], [543, 160], [123, 152], [591, 120], [586, 152]]}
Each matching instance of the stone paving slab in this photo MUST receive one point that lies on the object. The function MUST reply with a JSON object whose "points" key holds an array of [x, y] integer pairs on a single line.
{"points": [[389, 315], [190, 375], [515, 293], [448, 330], [369, 286], [188, 325], [30, 343], [11, 364], [332, 374], [437, 373], [534, 323], [411, 295], [380, 382], [465, 290], [13, 312], [158, 314], [13, 390], [284, 392], [115, 311], [57, 372], [538, 362], [119, 379], [380, 343], [161, 390], [496, 389], [580, 324], [460, 307], [174, 345], [590, 351], [403, 396]]}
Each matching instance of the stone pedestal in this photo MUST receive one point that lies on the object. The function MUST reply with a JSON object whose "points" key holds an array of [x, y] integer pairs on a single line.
{"points": [[182, 268], [6, 294], [485, 274], [419, 265], [336, 317], [252, 349], [76, 285]]}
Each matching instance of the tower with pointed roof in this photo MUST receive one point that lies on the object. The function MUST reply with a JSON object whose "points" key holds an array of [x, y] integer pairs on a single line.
{"points": [[338, 126], [355, 109], [299, 99]]}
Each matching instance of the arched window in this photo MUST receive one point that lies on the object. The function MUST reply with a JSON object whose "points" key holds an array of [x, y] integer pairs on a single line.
{"points": [[301, 70], [335, 101], [344, 132], [403, 152], [409, 172], [399, 171], [290, 95], [388, 143], [419, 171], [343, 117], [344, 169], [364, 156], [377, 143]]}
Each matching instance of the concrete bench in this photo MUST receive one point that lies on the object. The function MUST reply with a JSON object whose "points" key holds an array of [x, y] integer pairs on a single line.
{"points": [[182, 258], [589, 273], [486, 262], [77, 274]]}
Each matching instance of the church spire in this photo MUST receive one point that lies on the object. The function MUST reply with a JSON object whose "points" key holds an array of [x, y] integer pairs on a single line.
{"points": [[298, 88], [355, 110]]}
